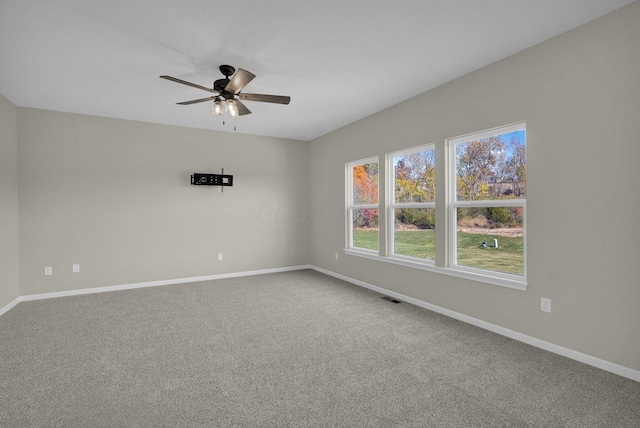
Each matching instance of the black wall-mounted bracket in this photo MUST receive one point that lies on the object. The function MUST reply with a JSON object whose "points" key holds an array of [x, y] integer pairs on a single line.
{"points": [[201, 179]]}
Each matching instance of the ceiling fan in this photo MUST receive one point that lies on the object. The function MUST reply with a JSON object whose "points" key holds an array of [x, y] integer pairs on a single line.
{"points": [[227, 91]]}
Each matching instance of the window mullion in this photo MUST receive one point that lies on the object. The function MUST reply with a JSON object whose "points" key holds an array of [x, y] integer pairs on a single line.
{"points": [[487, 203]]}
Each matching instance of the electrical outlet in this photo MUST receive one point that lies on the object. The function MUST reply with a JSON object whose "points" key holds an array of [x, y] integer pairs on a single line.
{"points": [[545, 305], [75, 268], [337, 256], [219, 257], [48, 270]]}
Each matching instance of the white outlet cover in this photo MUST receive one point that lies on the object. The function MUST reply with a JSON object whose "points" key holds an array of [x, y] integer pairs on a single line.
{"points": [[75, 268], [48, 270], [219, 257], [545, 305]]}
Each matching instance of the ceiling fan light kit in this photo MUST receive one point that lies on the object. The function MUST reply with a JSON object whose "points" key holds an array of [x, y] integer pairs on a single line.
{"points": [[227, 93], [218, 110], [232, 108]]}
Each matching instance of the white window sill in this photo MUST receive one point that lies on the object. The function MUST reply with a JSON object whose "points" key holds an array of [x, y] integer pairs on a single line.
{"points": [[514, 283]]}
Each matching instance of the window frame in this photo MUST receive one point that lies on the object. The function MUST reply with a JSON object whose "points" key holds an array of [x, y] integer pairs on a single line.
{"points": [[351, 206], [391, 205], [445, 207], [501, 278]]}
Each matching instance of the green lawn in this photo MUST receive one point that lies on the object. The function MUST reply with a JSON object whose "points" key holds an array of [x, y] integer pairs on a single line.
{"points": [[365, 239], [508, 257], [419, 243]]}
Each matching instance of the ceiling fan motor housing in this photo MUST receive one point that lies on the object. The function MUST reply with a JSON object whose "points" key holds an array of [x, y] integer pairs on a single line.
{"points": [[219, 86]]}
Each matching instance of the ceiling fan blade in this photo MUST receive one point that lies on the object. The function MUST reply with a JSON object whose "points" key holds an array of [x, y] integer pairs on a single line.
{"points": [[200, 100], [239, 80], [277, 99], [193, 85], [242, 109]]}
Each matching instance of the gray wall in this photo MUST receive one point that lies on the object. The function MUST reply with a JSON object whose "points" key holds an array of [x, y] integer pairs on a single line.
{"points": [[579, 94], [9, 260], [115, 197]]}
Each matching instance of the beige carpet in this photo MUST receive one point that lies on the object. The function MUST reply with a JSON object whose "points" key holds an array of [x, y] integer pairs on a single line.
{"points": [[296, 349]]}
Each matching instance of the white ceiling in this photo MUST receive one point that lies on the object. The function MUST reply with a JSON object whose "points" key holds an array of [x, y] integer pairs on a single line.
{"points": [[339, 60]]}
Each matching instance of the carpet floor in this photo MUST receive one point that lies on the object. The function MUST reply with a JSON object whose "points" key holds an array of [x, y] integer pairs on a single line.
{"points": [[294, 349]]}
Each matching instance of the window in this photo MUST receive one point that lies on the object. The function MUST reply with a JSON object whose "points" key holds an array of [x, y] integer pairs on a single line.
{"points": [[362, 205], [487, 202], [411, 215], [480, 207]]}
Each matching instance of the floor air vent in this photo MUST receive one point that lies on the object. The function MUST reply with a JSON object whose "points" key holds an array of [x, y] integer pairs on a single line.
{"points": [[390, 299]]}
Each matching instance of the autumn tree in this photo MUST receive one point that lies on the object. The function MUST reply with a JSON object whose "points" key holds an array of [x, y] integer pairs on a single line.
{"points": [[490, 169], [415, 177], [515, 170], [365, 184], [365, 192], [478, 163]]}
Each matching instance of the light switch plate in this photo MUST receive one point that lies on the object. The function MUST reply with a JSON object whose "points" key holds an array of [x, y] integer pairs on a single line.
{"points": [[545, 305]]}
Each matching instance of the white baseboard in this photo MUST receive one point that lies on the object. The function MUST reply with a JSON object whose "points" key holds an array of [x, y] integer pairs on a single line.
{"points": [[538, 343], [52, 295], [9, 306]]}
